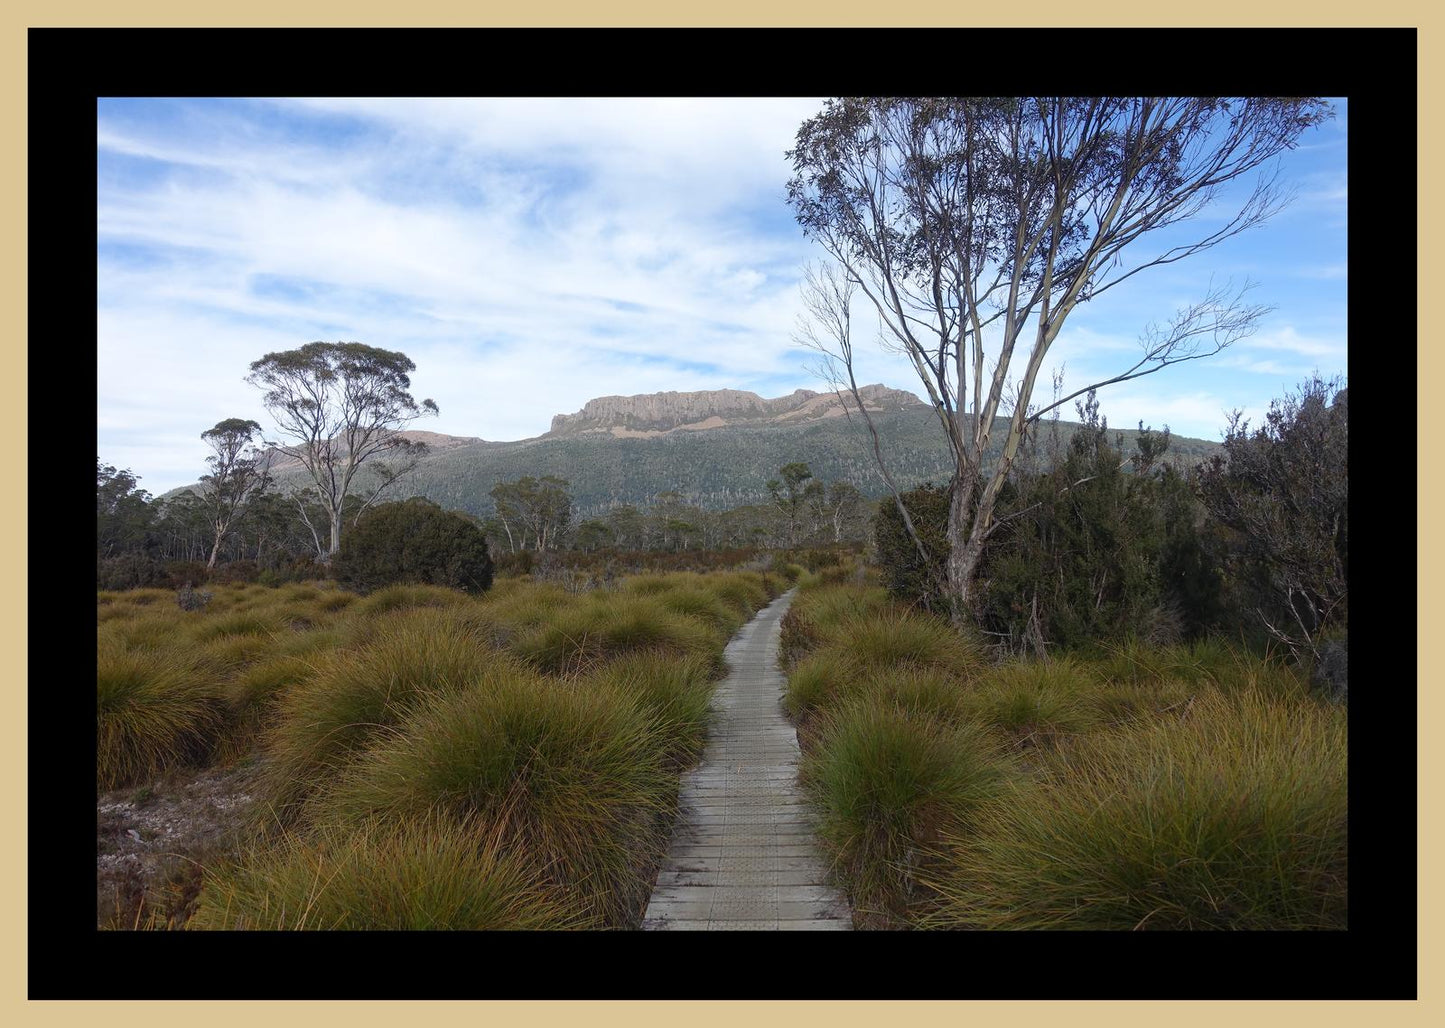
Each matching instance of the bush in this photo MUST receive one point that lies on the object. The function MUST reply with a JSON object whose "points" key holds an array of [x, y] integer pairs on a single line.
{"points": [[128, 571], [907, 576], [414, 541]]}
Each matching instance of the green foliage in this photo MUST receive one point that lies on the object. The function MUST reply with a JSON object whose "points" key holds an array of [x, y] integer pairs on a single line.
{"points": [[355, 695], [582, 637], [1282, 494], [908, 576], [414, 541]]}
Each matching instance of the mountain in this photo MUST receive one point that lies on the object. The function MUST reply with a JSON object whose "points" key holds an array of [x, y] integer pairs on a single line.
{"points": [[717, 449], [655, 414]]}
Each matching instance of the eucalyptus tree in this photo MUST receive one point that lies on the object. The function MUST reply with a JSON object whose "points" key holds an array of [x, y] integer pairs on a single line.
{"points": [[239, 473], [339, 406], [973, 227]]}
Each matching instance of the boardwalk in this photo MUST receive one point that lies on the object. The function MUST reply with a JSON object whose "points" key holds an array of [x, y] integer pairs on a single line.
{"points": [[743, 856]]}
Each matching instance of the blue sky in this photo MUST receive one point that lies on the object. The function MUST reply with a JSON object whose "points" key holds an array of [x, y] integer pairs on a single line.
{"points": [[530, 255]]}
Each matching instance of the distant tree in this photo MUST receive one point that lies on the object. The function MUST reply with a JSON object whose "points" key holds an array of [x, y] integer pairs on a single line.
{"points": [[123, 513], [790, 495], [973, 227], [1283, 493], [535, 509], [414, 540], [239, 473], [342, 405], [844, 508]]}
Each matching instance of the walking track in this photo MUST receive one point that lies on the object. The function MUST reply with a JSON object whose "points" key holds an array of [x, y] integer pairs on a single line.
{"points": [[743, 856]]}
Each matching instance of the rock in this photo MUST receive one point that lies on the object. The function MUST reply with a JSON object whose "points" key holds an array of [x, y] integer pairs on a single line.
{"points": [[1330, 675]]}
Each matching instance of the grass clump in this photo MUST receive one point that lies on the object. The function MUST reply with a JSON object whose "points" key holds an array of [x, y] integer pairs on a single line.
{"points": [[412, 875], [580, 639], [1033, 702], [1231, 817], [573, 780], [887, 784], [354, 695], [677, 693], [401, 597], [154, 711]]}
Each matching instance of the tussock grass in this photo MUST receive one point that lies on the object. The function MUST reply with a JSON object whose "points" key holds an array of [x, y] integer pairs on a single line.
{"points": [[1035, 703], [1232, 817], [573, 779], [401, 597], [353, 696], [428, 874], [887, 784], [154, 711], [581, 638], [676, 692]]}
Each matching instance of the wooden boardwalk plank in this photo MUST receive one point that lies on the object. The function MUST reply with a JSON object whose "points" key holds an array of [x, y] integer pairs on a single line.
{"points": [[743, 857]]}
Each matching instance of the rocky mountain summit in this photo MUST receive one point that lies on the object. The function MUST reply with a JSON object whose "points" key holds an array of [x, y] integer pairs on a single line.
{"points": [[655, 414]]}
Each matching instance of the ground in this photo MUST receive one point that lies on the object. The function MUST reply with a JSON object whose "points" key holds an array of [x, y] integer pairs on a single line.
{"points": [[152, 840]]}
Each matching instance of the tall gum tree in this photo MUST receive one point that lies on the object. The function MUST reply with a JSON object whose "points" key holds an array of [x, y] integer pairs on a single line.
{"points": [[342, 405], [972, 227]]}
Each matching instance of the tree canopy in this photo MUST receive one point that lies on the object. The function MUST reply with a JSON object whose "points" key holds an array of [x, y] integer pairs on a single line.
{"points": [[341, 405], [974, 226]]}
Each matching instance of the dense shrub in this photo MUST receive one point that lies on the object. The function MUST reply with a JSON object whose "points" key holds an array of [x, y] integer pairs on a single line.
{"points": [[128, 571], [414, 541], [1281, 494], [906, 574]]}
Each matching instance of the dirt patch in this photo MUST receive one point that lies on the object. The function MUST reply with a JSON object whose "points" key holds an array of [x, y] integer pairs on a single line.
{"points": [[153, 842]]}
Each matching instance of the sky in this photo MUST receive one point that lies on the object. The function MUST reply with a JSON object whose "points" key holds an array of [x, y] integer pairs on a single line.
{"points": [[531, 254]]}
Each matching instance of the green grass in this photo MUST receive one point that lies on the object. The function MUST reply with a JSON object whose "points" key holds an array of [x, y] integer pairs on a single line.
{"points": [[413, 875], [1232, 816]]}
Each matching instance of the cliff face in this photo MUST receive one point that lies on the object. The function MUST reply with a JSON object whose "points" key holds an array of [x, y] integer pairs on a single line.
{"points": [[660, 413]]}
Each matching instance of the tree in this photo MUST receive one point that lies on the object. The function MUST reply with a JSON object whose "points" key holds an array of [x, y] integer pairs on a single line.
{"points": [[532, 508], [342, 405], [415, 540], [844, 507], [790, 494], [1283, 492], [970, 225], [239, 473], [123, 513]]}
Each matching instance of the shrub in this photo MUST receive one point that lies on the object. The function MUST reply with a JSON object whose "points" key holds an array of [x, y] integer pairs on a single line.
{"points": [[414, 541], [907, 575], [128, 571]]}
